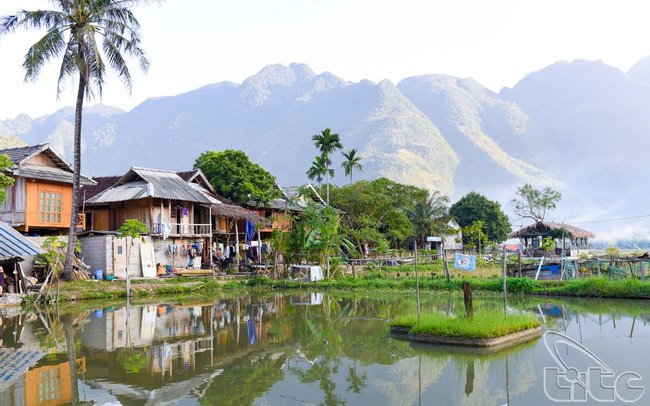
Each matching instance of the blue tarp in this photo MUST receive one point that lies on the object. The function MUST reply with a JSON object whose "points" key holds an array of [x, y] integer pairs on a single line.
{"points": [[14, 244]]}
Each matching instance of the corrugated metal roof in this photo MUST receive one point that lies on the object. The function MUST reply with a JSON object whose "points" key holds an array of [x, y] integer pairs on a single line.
{"points": [[139, 183], [14, 244]]}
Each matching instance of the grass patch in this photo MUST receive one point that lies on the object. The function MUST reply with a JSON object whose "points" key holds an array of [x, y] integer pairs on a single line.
{"points": [[483, 325], [599, 287]]}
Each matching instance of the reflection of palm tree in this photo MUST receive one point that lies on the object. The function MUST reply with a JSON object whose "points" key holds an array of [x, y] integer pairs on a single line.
{"points": [[69, 342], [356, 380]]}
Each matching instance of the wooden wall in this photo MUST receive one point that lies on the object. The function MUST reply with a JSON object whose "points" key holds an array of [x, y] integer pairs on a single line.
{"points": [[33, 188]]}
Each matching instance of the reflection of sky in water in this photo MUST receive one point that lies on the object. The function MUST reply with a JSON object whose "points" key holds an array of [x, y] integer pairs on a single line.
{"points": [[307, 349]]}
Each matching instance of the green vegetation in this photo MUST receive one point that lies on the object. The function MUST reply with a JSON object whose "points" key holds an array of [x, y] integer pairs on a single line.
{"points": [[234, 176], [533, 203], [483, 325], [376, 213], [475, 207], [327, 143], [601, 287], [430, 216], [5, 181], [351, 162]]}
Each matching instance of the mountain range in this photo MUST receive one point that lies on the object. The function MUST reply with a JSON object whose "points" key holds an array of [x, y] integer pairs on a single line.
{"points": [[580, 127]]}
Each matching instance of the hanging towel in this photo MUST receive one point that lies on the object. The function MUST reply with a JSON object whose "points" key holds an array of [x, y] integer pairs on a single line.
{"points": [[250, 229]]}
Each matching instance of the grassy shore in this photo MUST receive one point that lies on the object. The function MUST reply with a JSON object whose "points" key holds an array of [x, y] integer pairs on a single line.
{"points": [[591, 287], [483, 325]]}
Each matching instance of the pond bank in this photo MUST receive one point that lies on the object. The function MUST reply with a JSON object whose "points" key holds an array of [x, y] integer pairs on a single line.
{"points": [[141, 288]]}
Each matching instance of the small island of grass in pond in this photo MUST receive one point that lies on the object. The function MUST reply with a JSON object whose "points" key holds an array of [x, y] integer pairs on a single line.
{"points": [[483, 330]]}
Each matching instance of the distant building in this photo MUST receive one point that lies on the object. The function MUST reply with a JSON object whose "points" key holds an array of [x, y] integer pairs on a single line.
{"points": [[572, 239]]}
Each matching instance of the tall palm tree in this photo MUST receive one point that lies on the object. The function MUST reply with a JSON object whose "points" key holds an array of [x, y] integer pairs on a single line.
{"points": [[352, 162], [327, 143], [89, 35], [318, 170]]}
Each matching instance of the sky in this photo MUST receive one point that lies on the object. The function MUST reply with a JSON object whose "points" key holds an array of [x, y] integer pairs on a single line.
{"points": [[192, 43]]}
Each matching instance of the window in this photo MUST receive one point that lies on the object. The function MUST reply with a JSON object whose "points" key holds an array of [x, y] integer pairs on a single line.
{"points": [[49, 207]]}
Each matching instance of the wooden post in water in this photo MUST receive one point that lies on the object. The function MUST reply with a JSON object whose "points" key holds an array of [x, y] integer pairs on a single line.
{"points": [[417, 280], [503, 274], [467, 296]]}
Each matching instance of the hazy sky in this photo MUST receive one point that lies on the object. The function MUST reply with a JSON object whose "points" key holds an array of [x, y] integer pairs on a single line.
{"points": [[195, 42]]}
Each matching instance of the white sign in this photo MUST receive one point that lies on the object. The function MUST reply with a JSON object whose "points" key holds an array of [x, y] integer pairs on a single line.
{"points": [[434, 239]]}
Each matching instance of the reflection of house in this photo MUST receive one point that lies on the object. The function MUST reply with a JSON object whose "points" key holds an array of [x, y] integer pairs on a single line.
{"points": [[40, 201], [147, 325], [571, 238]]}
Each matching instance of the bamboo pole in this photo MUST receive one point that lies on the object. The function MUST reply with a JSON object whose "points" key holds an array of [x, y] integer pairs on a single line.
{"points": [[503, 275], [417, 280]]}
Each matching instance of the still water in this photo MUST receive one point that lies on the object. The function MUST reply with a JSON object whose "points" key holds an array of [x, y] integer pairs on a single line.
{"points": [[306, 349]]}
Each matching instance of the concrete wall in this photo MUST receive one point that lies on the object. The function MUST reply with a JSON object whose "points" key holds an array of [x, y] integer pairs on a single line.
{"points": [[97, 252]]}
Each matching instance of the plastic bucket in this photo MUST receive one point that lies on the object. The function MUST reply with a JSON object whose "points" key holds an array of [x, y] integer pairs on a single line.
{"points": [[99, 274]]}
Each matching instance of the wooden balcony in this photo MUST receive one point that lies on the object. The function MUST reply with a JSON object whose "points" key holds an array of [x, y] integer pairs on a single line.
{"points": [[182, 230]]}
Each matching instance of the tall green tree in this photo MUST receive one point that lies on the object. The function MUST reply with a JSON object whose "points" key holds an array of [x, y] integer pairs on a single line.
{"points": [[476, 207], [533, 203], [234, 176], [351, 162], [327, 143], [89, 36], [318, 170], [429, 215], [375, 212], [475, 236]]}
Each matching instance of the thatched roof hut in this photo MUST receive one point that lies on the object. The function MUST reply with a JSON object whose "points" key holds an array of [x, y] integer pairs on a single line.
{"points": [[551, 229]]}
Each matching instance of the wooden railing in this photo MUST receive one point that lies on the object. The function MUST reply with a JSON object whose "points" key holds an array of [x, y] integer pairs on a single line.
{"points": [[180, 229]]}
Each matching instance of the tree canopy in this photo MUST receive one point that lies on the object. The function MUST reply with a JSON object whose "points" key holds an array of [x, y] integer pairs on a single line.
{"points": [[234, 176], [475, 207], [429, 216], [376, 212], [534, 203]]}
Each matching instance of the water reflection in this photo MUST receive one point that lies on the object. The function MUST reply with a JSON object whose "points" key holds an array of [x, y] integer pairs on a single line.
{"points": [[289, 349]]}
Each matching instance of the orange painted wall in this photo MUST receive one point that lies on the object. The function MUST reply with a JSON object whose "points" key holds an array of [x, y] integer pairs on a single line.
{"points": [[33, 188]]}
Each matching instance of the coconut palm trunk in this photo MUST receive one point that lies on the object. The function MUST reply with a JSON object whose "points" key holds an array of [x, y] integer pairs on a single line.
{"points": [[76, 178]]}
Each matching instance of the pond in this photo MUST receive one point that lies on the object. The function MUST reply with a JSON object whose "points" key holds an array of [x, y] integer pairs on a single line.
{"points": [[314, 348]]}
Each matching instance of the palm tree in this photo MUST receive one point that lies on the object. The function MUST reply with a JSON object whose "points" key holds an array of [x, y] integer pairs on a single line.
{"points": [[430, 215], [318, 170], [327, 143], [352, 161], [89, 35]]}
